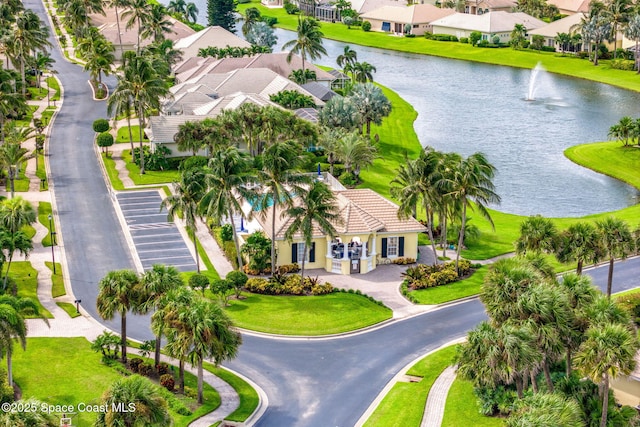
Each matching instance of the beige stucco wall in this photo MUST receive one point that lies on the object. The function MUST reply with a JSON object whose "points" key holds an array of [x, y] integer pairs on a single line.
{"points": [[284, 253]]}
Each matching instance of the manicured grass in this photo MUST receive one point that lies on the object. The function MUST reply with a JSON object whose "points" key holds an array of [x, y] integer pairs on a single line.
{"points": [[403, 406], [112, 173], [553, 62], [462, 409], [37, 94], [69, 308], [306, 315], [249, 399], [123, 134], [627, 292], [210, 272], [26, 278], [57, 289], [52, 82], [26, 120], [47, 114], [452, 291], [149, 177], [610, 158], [44, 210], [73, 374]]}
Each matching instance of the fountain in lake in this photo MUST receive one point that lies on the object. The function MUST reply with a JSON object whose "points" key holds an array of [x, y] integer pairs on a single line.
{"points": [[533, 82]]}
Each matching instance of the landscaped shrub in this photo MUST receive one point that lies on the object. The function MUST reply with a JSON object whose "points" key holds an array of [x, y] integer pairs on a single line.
{"points": [[167, 381], [631, 303], [463, 40], [106, 343], [411, 36], [134, 364], [322, 289], [623, 64], [404, 261], [291, 284], [162, 368], [199, 281], [427, 276], [101, 125], [548, 49], [226, 233], [290, 8], [146, 369], [191, 393], [193, 162], [237, 279], [442, 37], [223, 289], [366, 26], [155, 161], [257, 249], [104, 141], [270, 20], [6, 391], [288, 268], [174, 403]]}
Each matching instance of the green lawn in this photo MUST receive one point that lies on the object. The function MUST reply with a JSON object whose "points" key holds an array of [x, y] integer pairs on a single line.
{"points": [[69, 308], [452, 291], [249, 399], [462, 409], [57, 289], [72, 373], [610, 158], [403, 406], [26, 278], [112, 173], [44, 210], [47, 114], [306, 315], [123, 135], [553, 62], [149, 177], [53, 84]]}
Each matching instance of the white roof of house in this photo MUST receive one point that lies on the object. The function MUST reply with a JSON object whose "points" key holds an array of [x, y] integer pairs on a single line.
{"points": [[231, 102], [492, 22], [211, 36], [364, 6], [564, 25], [415, 14], [574, 6]]}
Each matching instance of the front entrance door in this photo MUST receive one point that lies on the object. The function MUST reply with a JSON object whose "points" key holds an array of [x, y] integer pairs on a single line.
{"points": [[355, 266]]}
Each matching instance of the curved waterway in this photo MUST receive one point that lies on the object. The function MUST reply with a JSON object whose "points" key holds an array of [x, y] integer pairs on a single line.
{"points": [[468, 107]]}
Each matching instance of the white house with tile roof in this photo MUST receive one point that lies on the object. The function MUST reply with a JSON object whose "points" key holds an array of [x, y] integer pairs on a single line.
{"points": [[394, 18], [489, 24], [214, 36]]}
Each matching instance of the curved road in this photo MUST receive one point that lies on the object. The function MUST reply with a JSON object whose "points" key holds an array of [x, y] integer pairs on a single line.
{"points": [[309, 382]]}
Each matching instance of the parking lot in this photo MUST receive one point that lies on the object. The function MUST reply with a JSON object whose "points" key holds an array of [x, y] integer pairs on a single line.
{"points": [[156, 240]]}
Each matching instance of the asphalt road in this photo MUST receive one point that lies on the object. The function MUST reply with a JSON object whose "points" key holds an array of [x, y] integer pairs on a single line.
{"points": [[309, 382]]}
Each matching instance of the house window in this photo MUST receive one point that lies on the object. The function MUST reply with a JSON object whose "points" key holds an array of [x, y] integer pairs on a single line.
{"points": [[301, 253], [386, 26], [392, 247]]}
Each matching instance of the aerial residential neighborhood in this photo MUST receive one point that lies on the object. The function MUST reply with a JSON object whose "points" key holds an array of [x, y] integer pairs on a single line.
{"points": [[310, 213]]}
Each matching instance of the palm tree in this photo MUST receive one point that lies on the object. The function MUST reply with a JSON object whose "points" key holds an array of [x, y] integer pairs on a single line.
{"points": [[308, 41], [13, 325], [140, 85], [119, 292], [355, 152], [518, 36], [16, 213], [99, 59], [537, 234], [190, 136], [471, 180], [261, 34], [251, 17], [563, 40], [225, 179], [202, 330], [617, 14], [29, 35], [580, 243], [347, 57], [41, 62], [191, 12], [363, 72], [118, 4], [623, 130], [632, 32], [156, 283], [12, 103], [546, 409], [184, 201], [12, 156], [177, 6], [340, 112], [137, 14], [156, 24], [139, 393], [607, 352], [281, 180], [165, 55], [617, 241], [316, 209], [10, 243], [371, 104]]}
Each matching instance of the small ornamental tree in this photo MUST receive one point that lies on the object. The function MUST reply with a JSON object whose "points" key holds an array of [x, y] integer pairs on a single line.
{"points": [[223, 289], [237, 279], [104, 141], [475, 37], [199, 281], [366, 26], [101, 125]]}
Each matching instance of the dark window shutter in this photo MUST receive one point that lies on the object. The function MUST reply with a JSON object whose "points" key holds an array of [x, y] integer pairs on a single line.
{"points": [[294, 253], [384, 247], [312, 252], [400, 246]]}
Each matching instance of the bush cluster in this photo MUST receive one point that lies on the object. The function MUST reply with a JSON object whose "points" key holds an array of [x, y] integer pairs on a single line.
{"points": [[175, 404], [631, 303], [404, 261], [428, 276], [441, 37], [623, 64], [167, 382], [288, 285]]}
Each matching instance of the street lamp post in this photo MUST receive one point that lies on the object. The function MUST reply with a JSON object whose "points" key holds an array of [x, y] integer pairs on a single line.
{"points": [[52, 236]]}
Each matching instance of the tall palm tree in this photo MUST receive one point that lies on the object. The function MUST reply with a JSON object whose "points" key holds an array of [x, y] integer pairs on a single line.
{"points": [[29, 35], [191, 12], [632, 32], [316, 209], [41, 62], [12, 103], [371, 103], [226, 178], [156, 283], [16, 213], [165, 317], [617, 241], [363, 72], [537, 234], [471, 181], [580, 243], [617, 13], [347, 57], [157, 24], [281, 180], [177, 6], [607, 352], [308, 42], [12, 156], [13, 311], [137, 392], [99, 59], [355, 152], [10, 243], [190, 136], [140, 85], [119, 292], [206, 331], [251, 17], [137, 15], [118, 4], [184, 201]]}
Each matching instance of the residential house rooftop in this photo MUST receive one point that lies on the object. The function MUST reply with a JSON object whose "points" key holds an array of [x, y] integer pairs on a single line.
{"points": [[414, 14], [489, 23]]}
